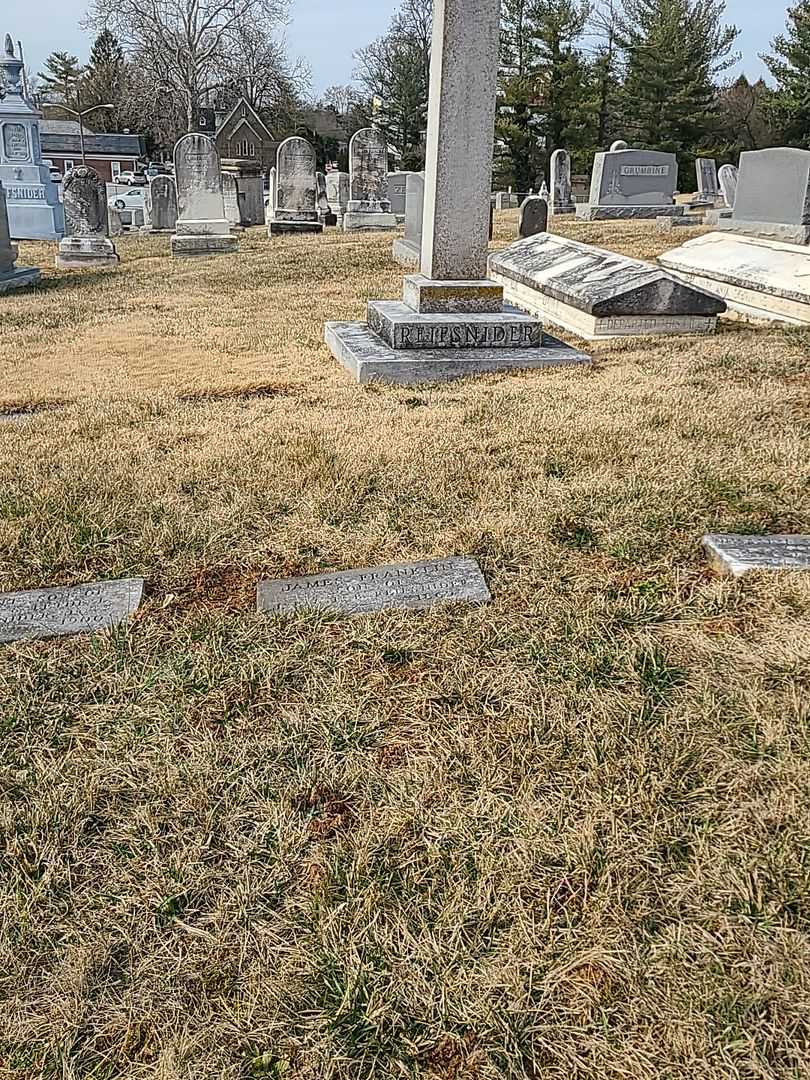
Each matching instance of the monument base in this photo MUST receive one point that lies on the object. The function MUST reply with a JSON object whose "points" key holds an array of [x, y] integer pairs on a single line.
{"points": [[85, 252], [586, 212], [403, 343], [562, 211], [364, 221], [767, 230], [328, 219], [18, 278], [406, 254], [285, 228], [184, 246]]}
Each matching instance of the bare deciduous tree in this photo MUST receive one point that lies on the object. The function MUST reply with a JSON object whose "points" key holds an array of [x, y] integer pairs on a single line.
{"points": [[183, 46]]}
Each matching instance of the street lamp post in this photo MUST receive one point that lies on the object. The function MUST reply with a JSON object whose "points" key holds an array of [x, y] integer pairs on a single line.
{"points": [[80, 114]]}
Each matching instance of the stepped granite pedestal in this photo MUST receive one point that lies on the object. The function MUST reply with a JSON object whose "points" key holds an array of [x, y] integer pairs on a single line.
{"points": [[444, 330]]}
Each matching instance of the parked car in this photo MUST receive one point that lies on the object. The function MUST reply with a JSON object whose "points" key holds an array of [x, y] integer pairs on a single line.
{"points": [[131, 178], [127, 200]]}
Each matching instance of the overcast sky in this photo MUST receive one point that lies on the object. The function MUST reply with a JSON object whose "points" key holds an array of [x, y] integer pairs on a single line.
{"points": [[326, 32]]}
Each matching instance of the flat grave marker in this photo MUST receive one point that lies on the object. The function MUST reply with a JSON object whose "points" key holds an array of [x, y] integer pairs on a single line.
{"points": [[65, 610], [736, 555], [399, 586]]}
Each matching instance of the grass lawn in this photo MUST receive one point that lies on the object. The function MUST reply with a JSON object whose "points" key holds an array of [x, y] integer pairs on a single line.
{"points": [[563, 836]]}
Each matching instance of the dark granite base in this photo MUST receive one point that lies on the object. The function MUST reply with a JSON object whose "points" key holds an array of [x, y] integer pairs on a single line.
{"points": [[285, 228], [19, 278], [368, 358]]}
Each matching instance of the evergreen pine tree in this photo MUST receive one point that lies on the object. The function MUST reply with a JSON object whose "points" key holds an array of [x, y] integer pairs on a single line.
{"points": [[674, 51], [545, 93], [789, 104], [104, 82], [60, 78]]}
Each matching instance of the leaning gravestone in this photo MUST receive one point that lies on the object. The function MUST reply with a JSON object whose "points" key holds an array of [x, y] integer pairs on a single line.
{"points": [[58, 612], [369, 207], [296, 205], [408, 250], [736, 555], [326, 215], [707, 186], [162, 205], [86, 242], [773, 196], [628, 184], [11, 276], [727, 178], [533, 218], [201, 228], [562, 198], [404, 586], [597, 293], [230, 200]]}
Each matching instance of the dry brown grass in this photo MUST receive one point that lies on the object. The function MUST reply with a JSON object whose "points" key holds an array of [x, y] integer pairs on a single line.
{"points": [[564, 835]]}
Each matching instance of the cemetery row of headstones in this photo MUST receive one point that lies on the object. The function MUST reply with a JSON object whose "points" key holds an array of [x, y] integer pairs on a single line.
{"points": [[61, 611]]}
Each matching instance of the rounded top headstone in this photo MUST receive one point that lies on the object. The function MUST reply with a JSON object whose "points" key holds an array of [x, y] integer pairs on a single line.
{"points": [[619, 144]]}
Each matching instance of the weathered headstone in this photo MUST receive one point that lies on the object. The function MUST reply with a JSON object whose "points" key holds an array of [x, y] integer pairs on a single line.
{"points": [[326, 215], [707, 186], [403, 586], [562, 199], [61, 611], [597, 293], [369, 209], [727, 178], [11, 276], [618, 144], [773, 195], [337, 193], [86, 242], [230, 200], [201, 228], [247, 174], [408, 250], [34, 210], [161, 202], [397, 194], [736, 555], [627, 184], [533, 217], [503, 200], [296, 206], [270, 196], [452, 320]]}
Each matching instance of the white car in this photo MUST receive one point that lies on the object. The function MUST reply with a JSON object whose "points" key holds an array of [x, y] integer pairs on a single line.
{"points": [[127, 200]]}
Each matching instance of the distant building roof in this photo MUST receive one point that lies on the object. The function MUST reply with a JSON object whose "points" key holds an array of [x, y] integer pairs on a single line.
{"points": [[59, 127], [326, 123], [68, 143]]}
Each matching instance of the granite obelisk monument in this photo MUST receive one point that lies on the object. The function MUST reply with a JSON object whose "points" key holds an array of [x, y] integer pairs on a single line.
{"points": [[452, 320]]}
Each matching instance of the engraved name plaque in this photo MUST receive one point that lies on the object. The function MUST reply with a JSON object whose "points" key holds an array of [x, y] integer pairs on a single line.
{"points": [[404, 585]]}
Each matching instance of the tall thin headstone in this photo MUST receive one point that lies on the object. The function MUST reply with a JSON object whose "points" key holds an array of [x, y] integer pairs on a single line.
{"points": [[326, 214], [202, 228], [369, 208], [296, 204], [86, 242], [562, 199], [706, 173], [11, 276], [407, 251], [230, 200], [727, 178], [337, 193], [452, 321]]}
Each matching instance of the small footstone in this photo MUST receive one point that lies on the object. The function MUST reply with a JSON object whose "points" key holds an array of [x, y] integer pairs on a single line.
{"points": [[736, 555], [381, 588], [59, 612]]}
